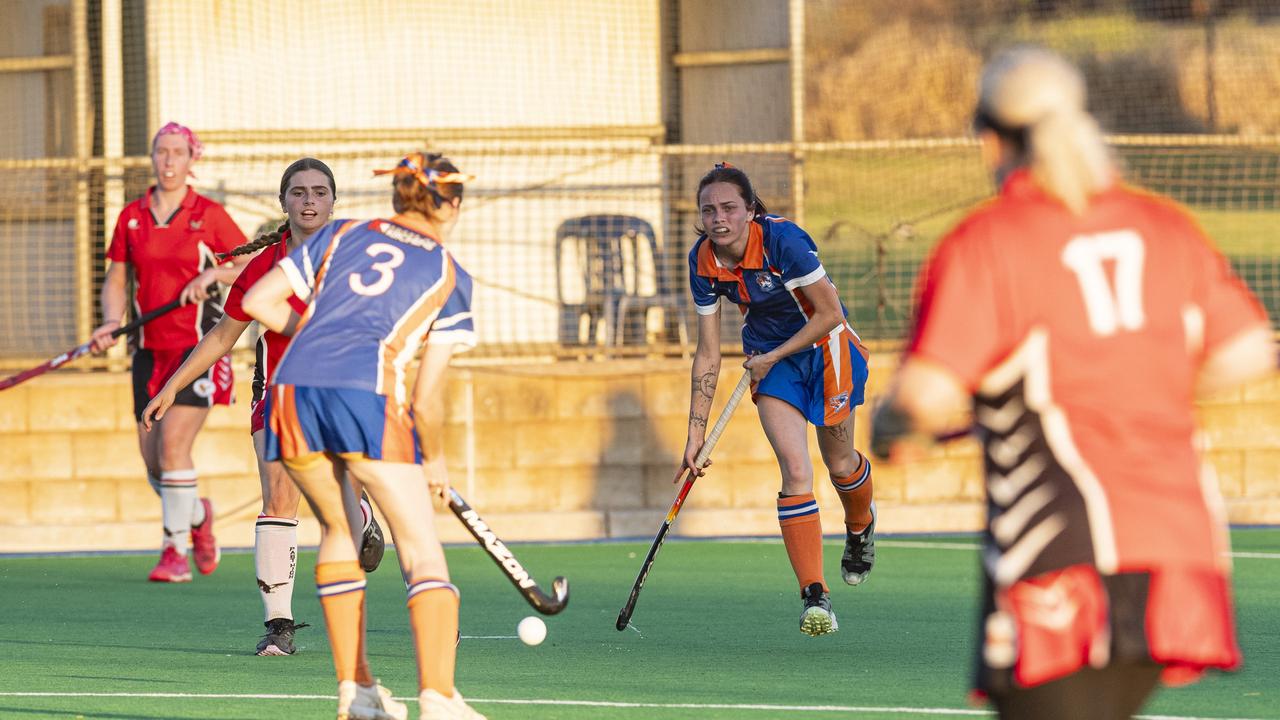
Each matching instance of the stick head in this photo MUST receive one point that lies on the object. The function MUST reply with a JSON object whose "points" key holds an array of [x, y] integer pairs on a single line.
{"points": [[554, 603]]}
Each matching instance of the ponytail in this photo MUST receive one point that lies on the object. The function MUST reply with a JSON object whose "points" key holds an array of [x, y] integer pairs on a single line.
{"points": [[1034, 100], [262, 241], [1070, 158]]}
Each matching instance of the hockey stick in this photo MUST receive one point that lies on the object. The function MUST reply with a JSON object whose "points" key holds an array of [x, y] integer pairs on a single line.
{"points": [[511, 567], [624, 617], [81, 350]]}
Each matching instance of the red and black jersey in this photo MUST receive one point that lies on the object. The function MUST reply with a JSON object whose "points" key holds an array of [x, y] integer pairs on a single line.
{"points": [[165, 256], [1081, 339], [271, 345]]}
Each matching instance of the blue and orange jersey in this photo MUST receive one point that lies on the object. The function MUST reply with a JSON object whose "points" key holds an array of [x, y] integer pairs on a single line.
{"points": [[377, 291], [781, 259]]}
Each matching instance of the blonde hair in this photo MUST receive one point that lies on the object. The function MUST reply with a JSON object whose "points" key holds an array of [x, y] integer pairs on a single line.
{"points": [[1039, 98]]}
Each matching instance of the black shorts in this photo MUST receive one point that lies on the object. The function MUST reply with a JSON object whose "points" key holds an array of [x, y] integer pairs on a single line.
{"points": [[1114, 692], [153, 368]]}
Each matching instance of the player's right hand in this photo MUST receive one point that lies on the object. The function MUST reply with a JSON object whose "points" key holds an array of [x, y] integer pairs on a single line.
{"points": [[155, 410], [101, 338], [690, 461], [437, 481]]}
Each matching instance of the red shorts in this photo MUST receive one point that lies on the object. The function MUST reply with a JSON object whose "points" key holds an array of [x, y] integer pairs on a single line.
{"points": [[258, 413], [1060, 622], [153, 368]]}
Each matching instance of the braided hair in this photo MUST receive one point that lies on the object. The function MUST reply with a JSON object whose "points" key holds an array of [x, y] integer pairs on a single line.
{"points": [[262, 241]]}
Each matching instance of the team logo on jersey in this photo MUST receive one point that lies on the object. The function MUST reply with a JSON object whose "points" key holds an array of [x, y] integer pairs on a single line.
{"points": [[765, 281], [195, 224], [203, 387], [133, 223], [838, 401]]}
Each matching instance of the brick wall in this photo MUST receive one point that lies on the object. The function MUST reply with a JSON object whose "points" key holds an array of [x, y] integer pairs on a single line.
{"points": [[565, 451]]}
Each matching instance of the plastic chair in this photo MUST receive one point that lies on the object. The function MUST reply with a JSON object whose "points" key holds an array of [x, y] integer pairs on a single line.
{"points": [[609, 253]]}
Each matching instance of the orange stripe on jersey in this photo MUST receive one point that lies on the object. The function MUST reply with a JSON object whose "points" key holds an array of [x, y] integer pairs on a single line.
{"points": [[286, 425], [397, 433], [806, 306], [412, 326]]}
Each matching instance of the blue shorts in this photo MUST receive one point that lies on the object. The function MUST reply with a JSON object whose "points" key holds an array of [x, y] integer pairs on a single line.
{"points": [[304, 421], [824, 382]]}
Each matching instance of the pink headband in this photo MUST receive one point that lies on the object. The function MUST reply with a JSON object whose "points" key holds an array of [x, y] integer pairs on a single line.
{"points": [[193, 142]]}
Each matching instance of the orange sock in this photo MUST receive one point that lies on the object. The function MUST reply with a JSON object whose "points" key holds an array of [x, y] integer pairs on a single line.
{"points": [[433, 615], [340, 586], [802, 536], [855, 494]]}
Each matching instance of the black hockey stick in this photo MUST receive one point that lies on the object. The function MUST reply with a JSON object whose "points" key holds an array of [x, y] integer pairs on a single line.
{"points": [[81, 350], [511, 567], [624, 617]]}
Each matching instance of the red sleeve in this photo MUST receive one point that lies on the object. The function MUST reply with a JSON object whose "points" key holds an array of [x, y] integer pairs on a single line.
{"points": [[233, 306], [1229, 307], [260, 265], [226, 234], [118, 251], [958, 323]]}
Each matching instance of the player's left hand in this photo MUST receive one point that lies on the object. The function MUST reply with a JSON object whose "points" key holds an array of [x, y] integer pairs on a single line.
{"points": [[198, 290], [759, 365]]}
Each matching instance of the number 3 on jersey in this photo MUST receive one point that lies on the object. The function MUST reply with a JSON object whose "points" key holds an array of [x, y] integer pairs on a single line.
{"points": [[385, 270], [1110, 309]]}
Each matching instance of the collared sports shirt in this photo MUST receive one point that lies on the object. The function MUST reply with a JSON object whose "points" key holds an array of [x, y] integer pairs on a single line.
{"points": [[377, 291], [766, 286], [165, 256]]}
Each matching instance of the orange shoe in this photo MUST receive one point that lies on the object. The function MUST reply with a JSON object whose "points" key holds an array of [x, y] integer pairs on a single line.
{"points": [[203, 544], [172, 568]]}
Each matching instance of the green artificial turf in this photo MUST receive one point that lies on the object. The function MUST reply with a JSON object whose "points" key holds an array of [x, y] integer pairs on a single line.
{"points": [[715, 636]]}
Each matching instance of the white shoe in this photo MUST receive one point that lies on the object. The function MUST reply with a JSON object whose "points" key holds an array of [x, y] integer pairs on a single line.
{"points": [[435, 706], [374, 702]]}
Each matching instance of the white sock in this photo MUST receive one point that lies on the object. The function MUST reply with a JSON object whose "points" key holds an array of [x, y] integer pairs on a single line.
{"points": [[197, 513], [275, 555], [177, 496], [367, 511], [154, 482]]}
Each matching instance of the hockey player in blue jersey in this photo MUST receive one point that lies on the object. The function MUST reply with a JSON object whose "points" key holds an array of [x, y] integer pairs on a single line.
{"points": [[378, 292], [807, 366]]}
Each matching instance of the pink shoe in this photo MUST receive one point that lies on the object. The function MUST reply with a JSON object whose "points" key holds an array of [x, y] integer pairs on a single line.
{"points": [[172, 568], [203, 544]]}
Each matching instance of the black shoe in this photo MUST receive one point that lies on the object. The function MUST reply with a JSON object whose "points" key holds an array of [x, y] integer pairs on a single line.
{"points": [[859, 552], [279, 637], [817, 618], [372, 546]]}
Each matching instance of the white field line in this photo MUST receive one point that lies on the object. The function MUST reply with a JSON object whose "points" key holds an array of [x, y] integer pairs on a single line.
{"points": [[582, 703], [490, 637], [924, 545]]}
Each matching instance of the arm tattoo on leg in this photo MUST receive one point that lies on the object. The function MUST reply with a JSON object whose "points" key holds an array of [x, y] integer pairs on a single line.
{"points": [[838, 432], [705, 384]]}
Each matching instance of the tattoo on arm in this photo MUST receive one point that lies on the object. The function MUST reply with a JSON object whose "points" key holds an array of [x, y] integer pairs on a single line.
{"points": [[705, 384], [697, 420], [838, 432]]}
